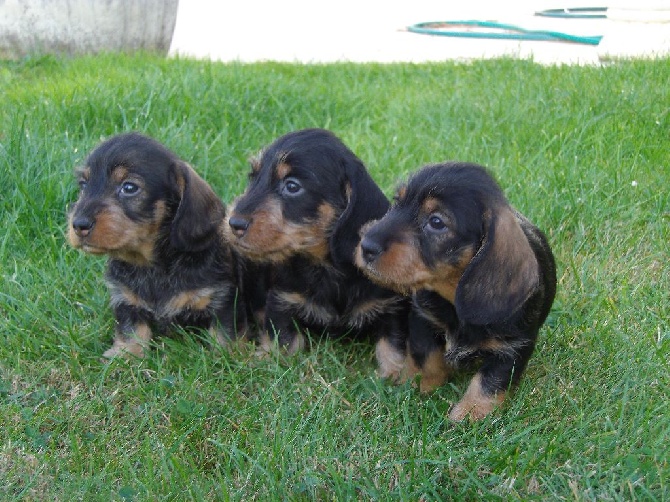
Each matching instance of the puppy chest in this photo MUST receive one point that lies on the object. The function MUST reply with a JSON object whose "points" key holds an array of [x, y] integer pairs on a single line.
{"points": [[166, 302], [464, 342], [346, 312]]}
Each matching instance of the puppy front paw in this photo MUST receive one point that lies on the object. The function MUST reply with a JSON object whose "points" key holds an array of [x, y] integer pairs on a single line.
{"points": [[476, 403], [133, 343], [124, 348], [269, 345], [390, 361]]}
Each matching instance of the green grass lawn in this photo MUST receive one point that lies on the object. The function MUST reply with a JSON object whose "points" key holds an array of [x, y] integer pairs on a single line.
{"points": [[584, 152]]}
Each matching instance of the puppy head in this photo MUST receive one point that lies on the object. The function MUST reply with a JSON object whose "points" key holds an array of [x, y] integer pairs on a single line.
{"points": [[136, 195], [308, 194], [452, 231]]}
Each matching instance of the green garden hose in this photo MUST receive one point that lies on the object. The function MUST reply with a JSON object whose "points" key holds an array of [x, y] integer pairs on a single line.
{"points": [[494, 30], [575, 13]]}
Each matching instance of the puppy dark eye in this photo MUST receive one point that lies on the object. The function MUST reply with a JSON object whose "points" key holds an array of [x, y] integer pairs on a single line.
{"points": [[128, 189], [291, 187], [82, 185], [436, 224]]}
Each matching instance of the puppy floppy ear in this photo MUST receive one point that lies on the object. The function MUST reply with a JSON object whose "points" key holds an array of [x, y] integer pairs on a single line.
{"points": [[364, 202], [501, 276], [199, 213]]}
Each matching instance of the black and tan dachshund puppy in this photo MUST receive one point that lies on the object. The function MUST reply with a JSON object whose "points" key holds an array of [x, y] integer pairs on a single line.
{"points": [[161, 226], [307, 198], [482, 277]]}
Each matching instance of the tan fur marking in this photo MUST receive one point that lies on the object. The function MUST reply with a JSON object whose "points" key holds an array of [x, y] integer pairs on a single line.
{"points": [[224, 339], [298, 344], [410, 370], [291, 298], [446, 277], [348, 191], [434, 372], [450, 343], [268, 345], [265, 345], [259, 316], [119, 174], [255, 161], [321, 229], [475, 403], [272, 238], [512, 242], [309, 311], [509, 348], [430, 205], [430, 317], [283, 170], [197, 299], [181, 181], [401, 193], [368, 311], [130, 344], [400, 267], [72, 237], [264, 239], [121, 294], [494, 345], [390, 360], [119, 237], [83, 172]]}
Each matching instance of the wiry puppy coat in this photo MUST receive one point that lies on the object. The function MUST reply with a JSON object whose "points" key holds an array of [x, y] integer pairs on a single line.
{"points": [[307, 198], [483, 279], [161, 226]]}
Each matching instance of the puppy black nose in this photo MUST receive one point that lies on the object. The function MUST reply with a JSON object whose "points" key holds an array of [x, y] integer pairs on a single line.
{"points": [[82, 225], [239, 225], [370, 250]]}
